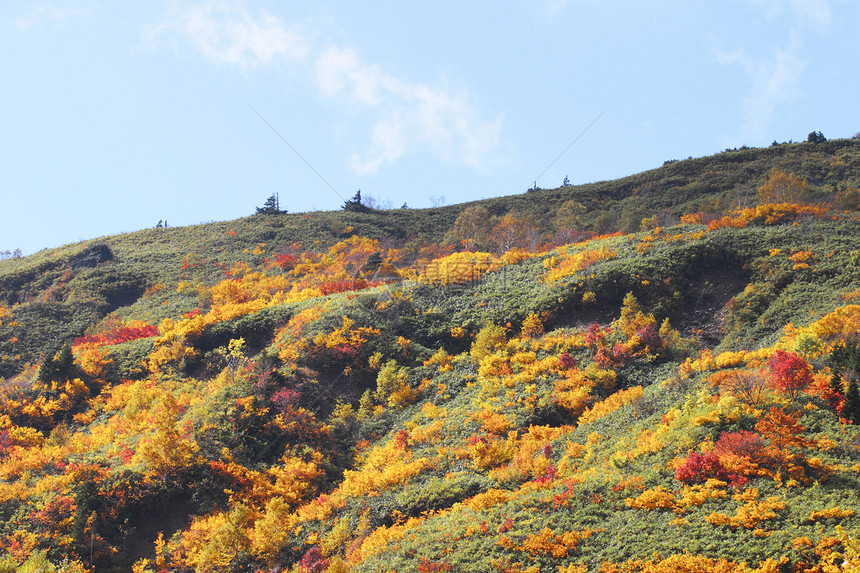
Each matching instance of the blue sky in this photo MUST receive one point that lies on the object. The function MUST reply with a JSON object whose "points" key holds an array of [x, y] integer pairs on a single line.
{"points": [[116, 115]]}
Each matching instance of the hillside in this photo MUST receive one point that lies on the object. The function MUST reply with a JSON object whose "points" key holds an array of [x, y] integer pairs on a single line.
{"points": [[657, 373]]}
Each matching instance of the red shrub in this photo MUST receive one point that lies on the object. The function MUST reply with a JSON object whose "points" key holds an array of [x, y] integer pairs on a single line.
{"points": [[283, 399], [118, 336], [699, 468], [595, 336], [741, 443], [427, 566], [285, 262], [313, 561], [345, 285], [567, 361], [789, 373], [649, 337]]}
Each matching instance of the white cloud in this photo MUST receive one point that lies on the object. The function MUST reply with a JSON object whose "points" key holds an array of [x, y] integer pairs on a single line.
{"points": [[45, 12], [227, 33], [406, 116], [815, 13], [409, 115], [775, 81]]}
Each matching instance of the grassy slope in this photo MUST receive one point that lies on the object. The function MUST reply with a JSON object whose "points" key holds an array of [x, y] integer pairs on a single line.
{"points": [[701, 283]]}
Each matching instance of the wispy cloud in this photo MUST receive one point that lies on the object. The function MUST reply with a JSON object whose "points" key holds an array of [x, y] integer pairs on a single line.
{"points": [[814, 13], [775, 79], [406, 116], [226, 33], [409, 115], [48, 13]]}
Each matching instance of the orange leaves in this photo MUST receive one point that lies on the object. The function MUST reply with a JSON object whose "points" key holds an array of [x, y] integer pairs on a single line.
{"points": [[751, 514], [488, 452], [831, 513], [654, 498], [747, 386], [769, 214], [493, 422], [547, 542], [782, 187]]}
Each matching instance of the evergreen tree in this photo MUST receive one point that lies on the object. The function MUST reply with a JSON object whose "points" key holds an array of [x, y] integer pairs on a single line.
{"points": [[355, 205], [851, 410], [60, 368], [271, 206]]}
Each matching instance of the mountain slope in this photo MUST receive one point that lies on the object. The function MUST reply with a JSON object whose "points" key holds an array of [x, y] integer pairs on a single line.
{"points": [[223, 398]]}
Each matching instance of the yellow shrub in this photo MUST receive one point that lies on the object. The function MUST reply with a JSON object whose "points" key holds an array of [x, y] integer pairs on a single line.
{"points": [[610, 404], [487, 499], [654, 498]]}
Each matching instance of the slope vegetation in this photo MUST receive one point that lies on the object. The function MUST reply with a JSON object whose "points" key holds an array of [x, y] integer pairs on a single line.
{"points": [[660, 377]]}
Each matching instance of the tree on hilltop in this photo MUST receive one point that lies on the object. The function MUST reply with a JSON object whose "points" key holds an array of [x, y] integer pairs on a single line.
{"points": [[271, 206], [355, 205]]}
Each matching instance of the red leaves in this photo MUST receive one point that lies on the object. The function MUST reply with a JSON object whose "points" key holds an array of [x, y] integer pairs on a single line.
{"points": [[331, 287], [427, 566], [699, 468], [401, 440], [740, 443], [313, 561], [283, 399], [566, 361], [789, 373], [118, 336], [285, 262], [595, 336]]}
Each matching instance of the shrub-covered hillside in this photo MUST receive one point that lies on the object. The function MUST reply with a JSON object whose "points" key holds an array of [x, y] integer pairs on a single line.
{"points": [[658, 373]]}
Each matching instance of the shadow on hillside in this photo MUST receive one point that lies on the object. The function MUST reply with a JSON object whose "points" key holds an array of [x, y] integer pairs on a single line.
{"points": [[706, 297]]}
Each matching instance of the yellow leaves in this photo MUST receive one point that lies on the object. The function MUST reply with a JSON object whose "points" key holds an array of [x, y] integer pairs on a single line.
{"points": [[345, 335], [381, 537], [384, 467], [572, 395], [392, 385], [654, 498], [532, 326], [547, 542], [750, 514], [441, 359], [93, 361], [610, 404], [487, 452], [487, 499], [691, 496], [295, 478], [570, 264], [212, 542], [529, 453], [25, 436], [457, 268], [165, 448], [698, 494]]}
